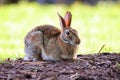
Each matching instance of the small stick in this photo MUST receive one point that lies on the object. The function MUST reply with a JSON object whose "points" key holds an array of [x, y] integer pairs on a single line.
{"points": [[101, 48]]}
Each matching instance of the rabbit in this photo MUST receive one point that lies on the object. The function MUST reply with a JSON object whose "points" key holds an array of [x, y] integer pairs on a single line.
{"points": [[47, 42]]}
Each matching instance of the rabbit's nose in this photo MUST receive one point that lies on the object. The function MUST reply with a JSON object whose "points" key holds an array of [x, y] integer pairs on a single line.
{"points": [[78, 41]]}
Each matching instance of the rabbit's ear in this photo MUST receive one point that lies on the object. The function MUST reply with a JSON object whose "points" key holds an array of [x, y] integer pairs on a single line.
{"points": [[68, 18], [62, 21]]}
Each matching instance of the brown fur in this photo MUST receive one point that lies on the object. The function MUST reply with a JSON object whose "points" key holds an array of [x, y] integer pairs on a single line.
{"points": [[48, 30], [47, 42]]}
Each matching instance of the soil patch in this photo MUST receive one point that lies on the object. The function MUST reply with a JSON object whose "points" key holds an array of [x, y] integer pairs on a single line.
{"points": [[104, 66]]}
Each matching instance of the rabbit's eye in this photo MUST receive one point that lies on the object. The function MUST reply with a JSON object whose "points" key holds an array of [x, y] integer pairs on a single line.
{"points": [[67, 32]]}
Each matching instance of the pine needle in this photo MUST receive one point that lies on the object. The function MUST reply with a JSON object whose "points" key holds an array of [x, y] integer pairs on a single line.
{"points": [[101, 49]]}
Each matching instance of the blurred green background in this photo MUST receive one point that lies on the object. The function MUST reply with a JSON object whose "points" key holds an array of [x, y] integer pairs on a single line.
{"points": [[97, 25]]}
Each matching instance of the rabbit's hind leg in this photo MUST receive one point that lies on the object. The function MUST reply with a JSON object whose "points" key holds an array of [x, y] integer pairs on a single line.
{"points": [[29, 52], [33, 46], [33, 53], [37, 54]]}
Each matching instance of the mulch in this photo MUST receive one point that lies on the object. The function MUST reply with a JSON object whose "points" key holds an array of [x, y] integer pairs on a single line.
{"points": [[104, 66]]}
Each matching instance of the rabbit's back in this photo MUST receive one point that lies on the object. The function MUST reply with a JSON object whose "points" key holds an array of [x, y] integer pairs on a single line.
{"points": [[45, 32], [48, 30]]}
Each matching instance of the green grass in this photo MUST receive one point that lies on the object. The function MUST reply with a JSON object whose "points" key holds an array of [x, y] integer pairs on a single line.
{"points": [[97, 26]]}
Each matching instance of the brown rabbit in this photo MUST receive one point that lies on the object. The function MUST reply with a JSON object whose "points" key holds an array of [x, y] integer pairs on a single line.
{"points": [[47, 42]]}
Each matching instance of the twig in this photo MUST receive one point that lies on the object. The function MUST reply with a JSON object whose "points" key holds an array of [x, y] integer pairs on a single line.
{"points": [[101, 49]]}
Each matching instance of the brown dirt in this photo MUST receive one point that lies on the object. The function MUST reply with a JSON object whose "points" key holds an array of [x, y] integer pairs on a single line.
{"points": [[103, 66]]}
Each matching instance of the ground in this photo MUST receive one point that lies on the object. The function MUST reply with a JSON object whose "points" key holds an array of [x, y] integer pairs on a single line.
{"points": [[104, 66]]}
